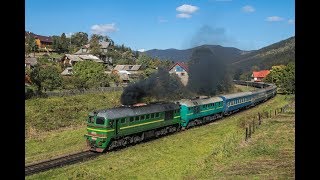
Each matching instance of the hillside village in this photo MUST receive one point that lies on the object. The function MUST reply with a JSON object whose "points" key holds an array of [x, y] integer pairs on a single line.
{"points": [[55, 63]]}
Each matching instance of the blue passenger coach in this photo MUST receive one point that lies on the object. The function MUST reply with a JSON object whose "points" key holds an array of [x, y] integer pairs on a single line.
{"points": [[236, 101]]}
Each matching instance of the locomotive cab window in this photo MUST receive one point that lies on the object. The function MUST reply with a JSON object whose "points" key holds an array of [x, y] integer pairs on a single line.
{"points": [[100, 120]]}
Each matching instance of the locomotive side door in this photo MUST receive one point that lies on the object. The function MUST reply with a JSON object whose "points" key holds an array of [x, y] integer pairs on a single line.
{"points": [[168, 115]]}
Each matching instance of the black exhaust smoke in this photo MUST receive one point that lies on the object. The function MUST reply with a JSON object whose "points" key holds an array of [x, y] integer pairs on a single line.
{"points": [[207, 76], [207, 73], [160, 85]]}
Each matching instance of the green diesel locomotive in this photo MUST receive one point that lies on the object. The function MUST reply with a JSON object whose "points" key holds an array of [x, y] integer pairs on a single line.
{"points": [[120, 126]]}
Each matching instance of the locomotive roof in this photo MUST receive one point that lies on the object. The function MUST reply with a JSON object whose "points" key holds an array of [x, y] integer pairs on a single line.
{"points": [[235, 95], [125, 111], [200, 101]]}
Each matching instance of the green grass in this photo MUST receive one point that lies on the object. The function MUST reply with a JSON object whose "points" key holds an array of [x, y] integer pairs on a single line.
{"points": [[55, 143], [46, 114], [213, 151], [241, 88]]}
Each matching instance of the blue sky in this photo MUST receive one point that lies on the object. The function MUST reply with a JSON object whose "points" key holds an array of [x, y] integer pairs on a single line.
{"points": [[164, 24]]}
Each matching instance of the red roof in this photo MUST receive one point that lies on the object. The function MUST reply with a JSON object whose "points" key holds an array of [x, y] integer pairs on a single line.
{"points": [[260, 74], [181, 64], [41, 38]]}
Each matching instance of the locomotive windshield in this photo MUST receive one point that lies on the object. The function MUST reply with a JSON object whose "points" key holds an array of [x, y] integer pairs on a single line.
{"points": [[100, 120]]}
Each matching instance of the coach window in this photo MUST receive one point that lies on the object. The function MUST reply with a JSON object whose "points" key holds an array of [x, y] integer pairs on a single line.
{"points": [[152, 115], [142, 117], [136, 118], [157, 114], [131, 119], [148, 116]]}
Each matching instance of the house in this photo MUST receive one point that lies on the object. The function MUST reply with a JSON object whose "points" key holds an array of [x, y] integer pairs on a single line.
{"points": [[127, 72], [131, 68], [257, 76], [69, 60], [181, 69], [85, 48], [41, 41], [104, 48], [30, 62]]}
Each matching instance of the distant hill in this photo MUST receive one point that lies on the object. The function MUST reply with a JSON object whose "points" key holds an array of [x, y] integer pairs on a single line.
{"points": [[281, 52], [229, 54], [278, 53]]}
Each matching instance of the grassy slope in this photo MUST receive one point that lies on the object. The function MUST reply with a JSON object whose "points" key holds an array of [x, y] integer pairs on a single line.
{"points": [[45, 114], [210, 151]]}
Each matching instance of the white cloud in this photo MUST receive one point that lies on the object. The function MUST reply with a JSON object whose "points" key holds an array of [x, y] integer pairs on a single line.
{"points": [[248, 9], [290, 21], [102, 29], [187, 9], [274, 18], [183, 15], [141, 50]]}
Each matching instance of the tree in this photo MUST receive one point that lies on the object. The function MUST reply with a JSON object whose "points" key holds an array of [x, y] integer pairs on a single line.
{"points": [[237, 74], [56, 43], [255, 68], [283, 77], [45, 78], [95, 47], [64, 43], [90, 74], [61, 44], [115, 78], [30, 45], [79, 39]]}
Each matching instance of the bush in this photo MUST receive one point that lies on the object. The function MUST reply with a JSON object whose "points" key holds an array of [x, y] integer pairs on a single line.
{"points": [[29, 92]]}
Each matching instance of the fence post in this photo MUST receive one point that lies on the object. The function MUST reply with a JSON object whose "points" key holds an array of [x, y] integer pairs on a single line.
{"points": [[249, 130], [246, 133], [270, 113], [253, 126], [259, 118]]}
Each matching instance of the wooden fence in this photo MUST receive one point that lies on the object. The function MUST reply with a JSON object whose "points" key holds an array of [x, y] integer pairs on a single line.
{"points": [[256, 123]]}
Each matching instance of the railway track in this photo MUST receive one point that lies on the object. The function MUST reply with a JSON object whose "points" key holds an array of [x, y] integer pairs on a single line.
{"points": [[59, 162]]}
